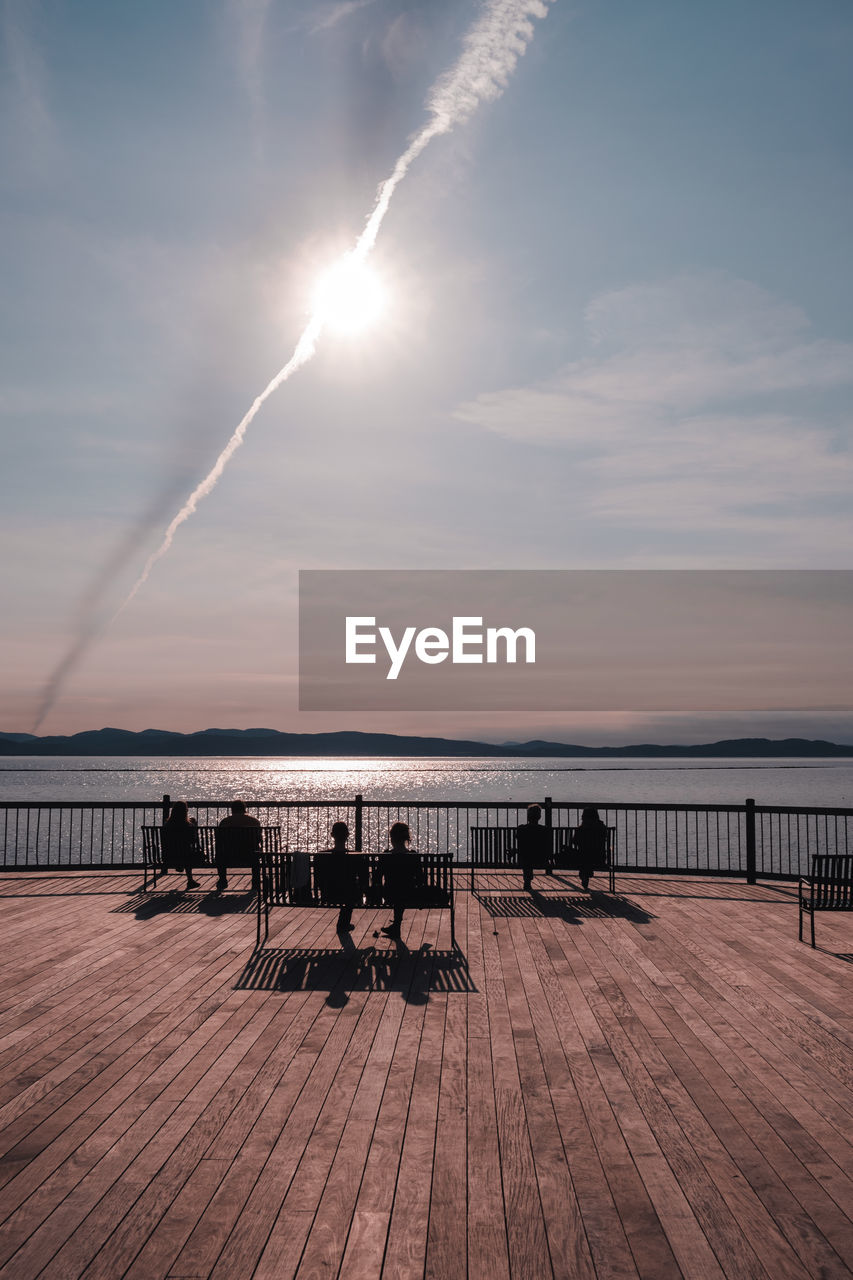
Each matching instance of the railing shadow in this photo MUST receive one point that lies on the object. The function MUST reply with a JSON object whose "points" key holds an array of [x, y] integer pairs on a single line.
{"points": [[573, 910], [342, 970], [70, 882], [746, 894]]}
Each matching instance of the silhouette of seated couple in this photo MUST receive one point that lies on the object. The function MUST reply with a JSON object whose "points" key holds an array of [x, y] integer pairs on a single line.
{"points": [[398, 872], [588, 850], [237, 843]]}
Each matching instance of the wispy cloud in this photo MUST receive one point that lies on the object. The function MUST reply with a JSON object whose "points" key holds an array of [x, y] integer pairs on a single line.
{"points": [[26, 92], [249, 19], [27, 401], [338, 13], [704, 401]]}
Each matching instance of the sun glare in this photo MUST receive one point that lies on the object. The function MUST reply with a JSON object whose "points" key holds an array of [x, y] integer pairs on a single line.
{"points": [[349, 297]]}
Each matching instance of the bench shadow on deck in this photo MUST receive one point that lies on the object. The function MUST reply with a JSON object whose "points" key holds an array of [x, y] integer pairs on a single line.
{"points": [[343, 969], [571, 908], [653, 1084]]}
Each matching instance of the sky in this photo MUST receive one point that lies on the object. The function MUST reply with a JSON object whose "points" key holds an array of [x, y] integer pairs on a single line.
{"points": [[619, 331]]}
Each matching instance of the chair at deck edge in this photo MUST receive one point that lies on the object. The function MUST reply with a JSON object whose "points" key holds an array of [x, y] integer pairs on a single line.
{"points": [[828, 888]]}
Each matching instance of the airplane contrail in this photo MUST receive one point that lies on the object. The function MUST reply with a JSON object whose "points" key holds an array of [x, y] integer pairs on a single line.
{"points": [[303, 352], [491, 50]]}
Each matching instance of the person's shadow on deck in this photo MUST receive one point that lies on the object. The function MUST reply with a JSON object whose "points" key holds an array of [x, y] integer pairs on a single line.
{"points": [[343, 970], [146, 905]]}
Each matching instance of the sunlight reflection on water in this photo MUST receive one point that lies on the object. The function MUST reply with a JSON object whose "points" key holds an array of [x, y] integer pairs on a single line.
{"points": [[784, 782]]}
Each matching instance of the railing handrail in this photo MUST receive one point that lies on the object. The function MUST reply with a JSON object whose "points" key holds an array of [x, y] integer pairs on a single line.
{"points": [[474, 803], [805, 809], [479, 802]]}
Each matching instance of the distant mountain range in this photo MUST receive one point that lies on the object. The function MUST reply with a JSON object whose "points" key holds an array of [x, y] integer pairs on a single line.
{"points": [[269, 742]]}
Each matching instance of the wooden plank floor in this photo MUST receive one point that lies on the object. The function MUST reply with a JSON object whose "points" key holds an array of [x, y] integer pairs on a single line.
{"points": [[655, 1084]]}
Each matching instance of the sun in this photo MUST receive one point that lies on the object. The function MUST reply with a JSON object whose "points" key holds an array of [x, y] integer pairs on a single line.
{"points": [[349, 297]]}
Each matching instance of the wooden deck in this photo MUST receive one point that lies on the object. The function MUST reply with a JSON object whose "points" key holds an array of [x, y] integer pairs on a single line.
{"points": [[657, 1084]]}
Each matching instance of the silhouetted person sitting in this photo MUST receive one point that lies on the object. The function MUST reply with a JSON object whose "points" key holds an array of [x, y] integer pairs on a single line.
{"points": [[237, 844], [400, 874], [591, 842], [338, 876], [180, 842], [533, 843]]}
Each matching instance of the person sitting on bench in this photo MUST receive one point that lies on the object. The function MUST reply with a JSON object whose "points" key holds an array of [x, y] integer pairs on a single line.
{"points": [[338, 877], [239, 848], [180, 842], [591, 844], [533, 843], [399, 874]]}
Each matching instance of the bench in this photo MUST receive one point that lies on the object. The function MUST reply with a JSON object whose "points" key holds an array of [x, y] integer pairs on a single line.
{"points": [[240, 846], [295, 879], [828, 888], [496, 847], [490, 848]]}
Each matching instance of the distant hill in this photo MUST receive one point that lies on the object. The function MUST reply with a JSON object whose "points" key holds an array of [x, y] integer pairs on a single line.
{"points": [[269, 742]]}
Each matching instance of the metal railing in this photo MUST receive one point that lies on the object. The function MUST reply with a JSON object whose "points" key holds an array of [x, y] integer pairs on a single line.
{"points": [[74, 835], [745, 840]]}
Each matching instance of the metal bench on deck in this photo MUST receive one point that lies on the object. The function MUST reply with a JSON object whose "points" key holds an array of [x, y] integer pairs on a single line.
{"points": [[241, 847], [294, 879], [493, 848], [828, 888]]}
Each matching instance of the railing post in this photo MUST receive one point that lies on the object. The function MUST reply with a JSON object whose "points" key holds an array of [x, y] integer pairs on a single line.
{"points": [[750, 842], [549, 822], [167, 804], [359, 817]]}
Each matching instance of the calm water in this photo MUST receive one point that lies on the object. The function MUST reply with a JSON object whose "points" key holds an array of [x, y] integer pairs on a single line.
{"points": [[827, 783]]}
